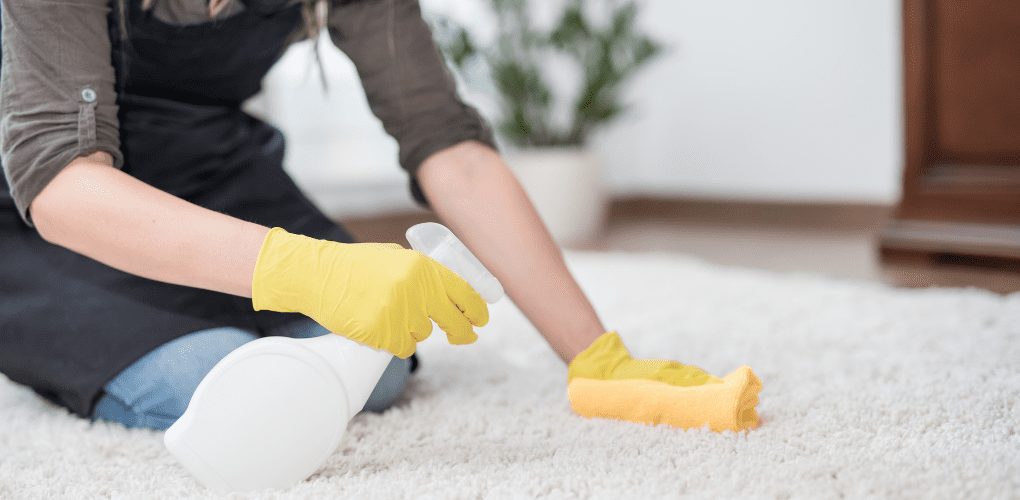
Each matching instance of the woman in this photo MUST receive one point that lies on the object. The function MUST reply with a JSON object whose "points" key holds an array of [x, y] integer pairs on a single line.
{"points": [[135, 226]]}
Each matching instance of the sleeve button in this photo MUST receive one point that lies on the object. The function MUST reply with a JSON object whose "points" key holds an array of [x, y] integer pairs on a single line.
{"points": [[88, 95]]}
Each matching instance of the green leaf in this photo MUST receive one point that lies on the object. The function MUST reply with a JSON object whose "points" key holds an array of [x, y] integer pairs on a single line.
{"points": [[461, 48], [623, 20], [607, 57], [571, 29]]}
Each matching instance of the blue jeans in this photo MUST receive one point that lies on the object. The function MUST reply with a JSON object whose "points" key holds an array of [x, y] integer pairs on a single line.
{"points": [[154, 391]]}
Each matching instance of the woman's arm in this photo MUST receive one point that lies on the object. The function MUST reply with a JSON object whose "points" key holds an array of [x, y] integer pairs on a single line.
{"points": [[99, 211], [474, 192], [410, 89], [59, 143], [478, 197], [103, 213]]}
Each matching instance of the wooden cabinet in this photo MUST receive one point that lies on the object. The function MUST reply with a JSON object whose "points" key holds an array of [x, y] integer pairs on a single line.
{"points": [[961, 181]]}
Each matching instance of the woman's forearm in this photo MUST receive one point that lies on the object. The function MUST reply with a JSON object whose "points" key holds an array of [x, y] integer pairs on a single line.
{"points": [[103, 213], [478, 197]]}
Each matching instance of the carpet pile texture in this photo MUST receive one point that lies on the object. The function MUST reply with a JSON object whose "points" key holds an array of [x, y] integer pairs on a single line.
{"points": [[868, 391]]}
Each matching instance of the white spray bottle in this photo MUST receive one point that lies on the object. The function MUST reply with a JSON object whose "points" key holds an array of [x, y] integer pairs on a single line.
{"points": [[271, 412]]}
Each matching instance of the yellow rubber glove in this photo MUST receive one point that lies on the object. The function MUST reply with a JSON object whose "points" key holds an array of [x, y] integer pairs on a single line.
{"points": [[380, 295], [608, 359], [606, 382]]}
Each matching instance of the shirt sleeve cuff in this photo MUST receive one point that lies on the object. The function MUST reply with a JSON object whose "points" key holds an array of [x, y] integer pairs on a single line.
{"points": [[413, 159]]}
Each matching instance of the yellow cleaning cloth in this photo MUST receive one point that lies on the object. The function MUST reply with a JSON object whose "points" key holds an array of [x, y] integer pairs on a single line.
{"points": [[729, 405]]}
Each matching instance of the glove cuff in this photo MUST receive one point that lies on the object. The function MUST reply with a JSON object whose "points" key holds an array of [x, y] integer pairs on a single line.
{"points": [[600, 358], [279, 281]]}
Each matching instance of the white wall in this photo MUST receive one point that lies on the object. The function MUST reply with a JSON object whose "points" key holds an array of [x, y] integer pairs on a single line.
{"points": [[766, 100], [792, 99]]}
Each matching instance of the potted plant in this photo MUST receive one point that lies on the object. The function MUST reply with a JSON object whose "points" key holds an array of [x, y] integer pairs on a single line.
{"points": [[548, 126]]}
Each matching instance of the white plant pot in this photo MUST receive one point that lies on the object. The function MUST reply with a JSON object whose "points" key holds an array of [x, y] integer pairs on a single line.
{"points": [[565, 186]]}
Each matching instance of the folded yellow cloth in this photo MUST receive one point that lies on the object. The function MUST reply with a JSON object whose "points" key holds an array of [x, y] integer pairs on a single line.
{"points": [[729, 405]]}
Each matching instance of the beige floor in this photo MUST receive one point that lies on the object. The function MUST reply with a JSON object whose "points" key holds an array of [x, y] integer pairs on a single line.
{"points": [[822, 240], [845, 253], [839, 253]]}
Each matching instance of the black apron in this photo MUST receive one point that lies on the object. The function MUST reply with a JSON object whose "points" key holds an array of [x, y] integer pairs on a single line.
{"points": [[69, 324]]}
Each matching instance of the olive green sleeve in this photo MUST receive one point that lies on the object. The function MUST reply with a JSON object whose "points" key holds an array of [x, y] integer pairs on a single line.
{"points": [[57, 99], [405, 78]]}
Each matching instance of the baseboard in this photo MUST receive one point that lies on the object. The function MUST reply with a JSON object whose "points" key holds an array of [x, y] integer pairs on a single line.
{"points": [[955, 238], [862, 216], [386, 228], [389, 227]]}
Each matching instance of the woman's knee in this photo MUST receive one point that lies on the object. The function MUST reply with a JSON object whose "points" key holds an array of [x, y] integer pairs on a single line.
{"points": [[155, 390], [390, 386]]}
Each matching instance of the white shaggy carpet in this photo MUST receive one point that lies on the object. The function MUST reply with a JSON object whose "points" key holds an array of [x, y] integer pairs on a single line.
{"points": [[868, 392]]}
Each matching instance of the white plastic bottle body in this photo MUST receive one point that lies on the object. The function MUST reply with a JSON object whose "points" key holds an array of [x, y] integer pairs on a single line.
{"points": [[271, 412]]}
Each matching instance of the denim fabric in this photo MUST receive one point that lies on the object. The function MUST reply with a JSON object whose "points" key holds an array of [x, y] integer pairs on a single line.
{"points": [[154, 391]]}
